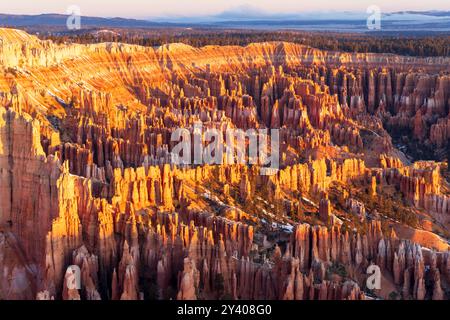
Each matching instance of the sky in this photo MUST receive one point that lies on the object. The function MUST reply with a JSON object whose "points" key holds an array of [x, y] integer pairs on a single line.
{"points": [[173, 8]]}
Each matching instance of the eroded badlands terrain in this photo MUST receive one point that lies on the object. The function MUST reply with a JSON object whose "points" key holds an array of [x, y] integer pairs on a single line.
{"points": [[86, 175]]}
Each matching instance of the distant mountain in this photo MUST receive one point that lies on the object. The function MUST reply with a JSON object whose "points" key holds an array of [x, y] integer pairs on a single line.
{"points": [[248, 17], [59, 20], [248, 12], [343, 21], [432, 13]]}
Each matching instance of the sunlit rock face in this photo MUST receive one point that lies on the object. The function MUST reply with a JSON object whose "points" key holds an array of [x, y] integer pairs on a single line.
{"points": [[87, 176]]}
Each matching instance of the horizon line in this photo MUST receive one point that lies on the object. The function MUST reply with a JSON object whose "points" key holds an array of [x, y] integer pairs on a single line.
{"points": [[217, 15]]}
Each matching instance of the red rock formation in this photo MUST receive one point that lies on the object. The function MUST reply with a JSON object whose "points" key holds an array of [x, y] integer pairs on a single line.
{"points": [[93, 183], [324, 209]]}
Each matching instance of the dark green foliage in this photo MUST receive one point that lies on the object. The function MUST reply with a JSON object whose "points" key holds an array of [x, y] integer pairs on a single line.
{"points": [[422, 46], [219, 283], [336, 268], [392, 207], [393, 295]]}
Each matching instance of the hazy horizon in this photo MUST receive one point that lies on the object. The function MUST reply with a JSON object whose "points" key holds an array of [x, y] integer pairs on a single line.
{"points": [[141, 9]]}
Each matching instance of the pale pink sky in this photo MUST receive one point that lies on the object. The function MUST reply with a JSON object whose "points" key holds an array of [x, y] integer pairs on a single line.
{"points": [[155, 8]]}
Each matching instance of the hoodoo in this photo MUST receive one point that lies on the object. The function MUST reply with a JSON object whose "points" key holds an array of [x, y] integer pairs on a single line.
{"points": [[88, 177]]}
